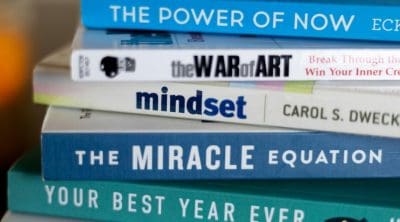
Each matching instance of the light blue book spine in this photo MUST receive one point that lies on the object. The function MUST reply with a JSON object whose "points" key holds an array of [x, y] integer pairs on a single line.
{"points": [[350, 20], [217, 156]]}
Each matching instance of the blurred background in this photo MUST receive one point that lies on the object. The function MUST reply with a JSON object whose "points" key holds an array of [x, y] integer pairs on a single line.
{"points": [[30, 29]]}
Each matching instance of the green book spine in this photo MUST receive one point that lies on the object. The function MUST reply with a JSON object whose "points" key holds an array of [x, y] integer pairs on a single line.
{"points": [[197, 201]]}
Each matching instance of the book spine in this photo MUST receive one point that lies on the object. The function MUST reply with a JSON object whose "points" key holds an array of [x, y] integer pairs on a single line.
{"points": [[321, 20], [325, 110], [234, 65], [217, 156], [117, 201]]}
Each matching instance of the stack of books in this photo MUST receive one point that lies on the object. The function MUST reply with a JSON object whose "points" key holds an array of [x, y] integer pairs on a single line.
{"points": [[218, 110]]}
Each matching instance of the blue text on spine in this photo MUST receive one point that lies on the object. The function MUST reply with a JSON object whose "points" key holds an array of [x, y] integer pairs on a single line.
{"points": [[195, 105]]}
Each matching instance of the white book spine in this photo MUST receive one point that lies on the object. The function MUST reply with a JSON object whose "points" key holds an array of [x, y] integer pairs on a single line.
{"points": [[234, 64], [326, 110]]}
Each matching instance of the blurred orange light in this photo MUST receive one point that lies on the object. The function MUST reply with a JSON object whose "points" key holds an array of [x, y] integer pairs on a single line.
{"points": [[13, 64]]}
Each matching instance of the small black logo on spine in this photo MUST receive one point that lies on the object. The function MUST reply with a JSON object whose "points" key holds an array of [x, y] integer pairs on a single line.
{"points": [[111, 66]]}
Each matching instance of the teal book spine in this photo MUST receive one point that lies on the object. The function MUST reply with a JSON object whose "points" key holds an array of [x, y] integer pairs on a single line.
{"points": [[273, 201]]}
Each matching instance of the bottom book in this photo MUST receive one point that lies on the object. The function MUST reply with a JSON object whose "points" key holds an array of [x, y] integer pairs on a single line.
{"points": [[269, 201]]}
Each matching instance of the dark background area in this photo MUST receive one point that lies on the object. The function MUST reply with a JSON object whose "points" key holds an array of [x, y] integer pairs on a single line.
{"points": [[30, 30]]}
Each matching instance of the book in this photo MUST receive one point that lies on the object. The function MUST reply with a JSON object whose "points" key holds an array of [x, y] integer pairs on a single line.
{"points": [[21, 217], [370, 108], [273, 201], [94, 145], [115, 55], [352, 19]]}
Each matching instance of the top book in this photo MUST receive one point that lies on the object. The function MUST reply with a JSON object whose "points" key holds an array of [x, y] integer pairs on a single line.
{"points": [[338, 19]]}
